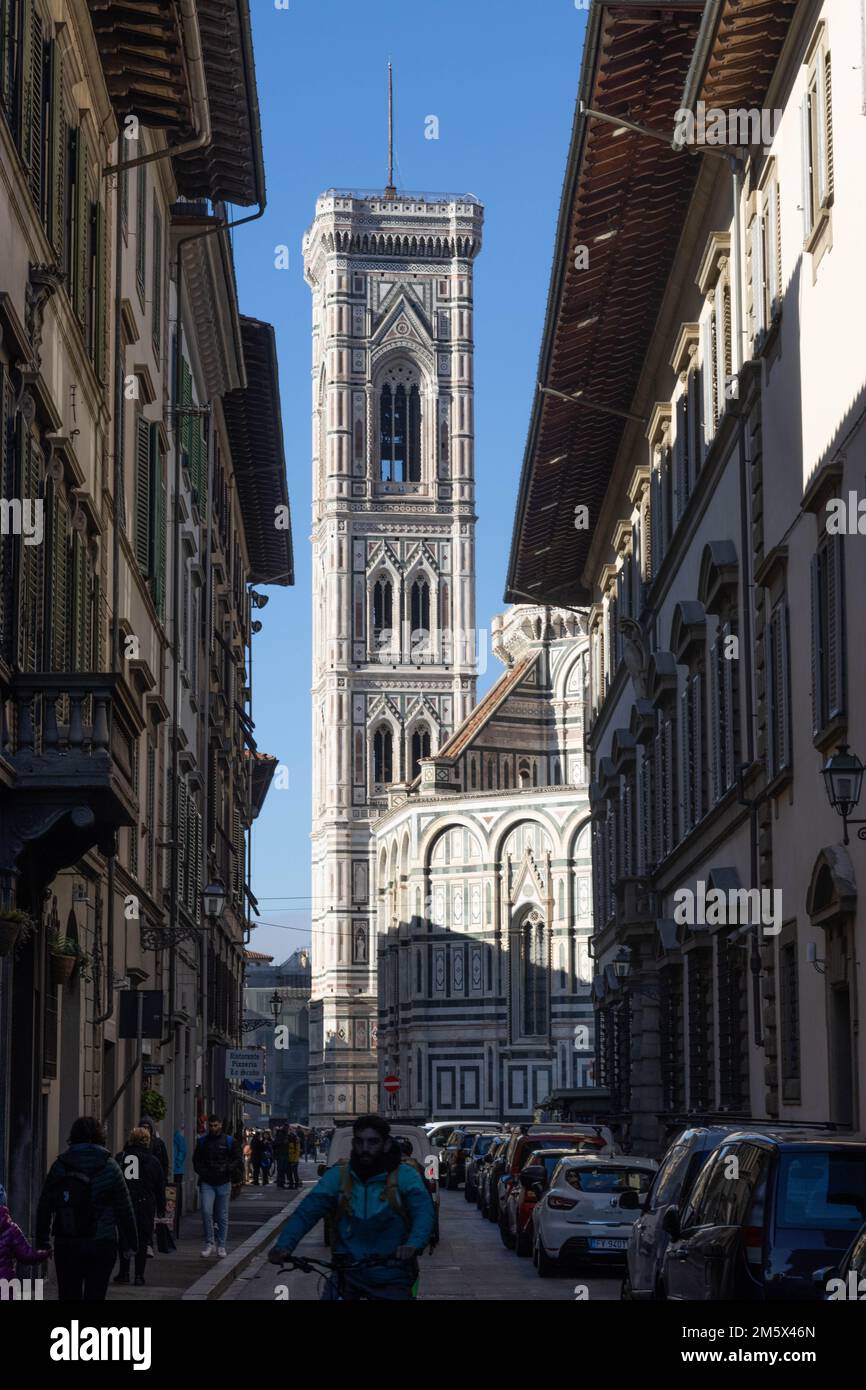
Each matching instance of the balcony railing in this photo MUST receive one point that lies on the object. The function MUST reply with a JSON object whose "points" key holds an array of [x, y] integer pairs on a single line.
{"points": [[57, 714]]}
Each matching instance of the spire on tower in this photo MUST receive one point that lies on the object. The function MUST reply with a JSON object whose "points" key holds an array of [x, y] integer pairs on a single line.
{"points": [[390, 190]]}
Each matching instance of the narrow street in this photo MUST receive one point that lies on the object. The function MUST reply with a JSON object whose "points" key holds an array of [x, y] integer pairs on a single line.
{"points": [[469, 1263]]}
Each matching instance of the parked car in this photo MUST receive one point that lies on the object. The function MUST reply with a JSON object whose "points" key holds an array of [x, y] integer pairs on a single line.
{"points": [[532, 1181], [523, 1140], [490, 1171], [677, 1174], [587, 1210], [481, 1144], [764, 1227], [453, 1156], [440, 1131], [848, 1279]]}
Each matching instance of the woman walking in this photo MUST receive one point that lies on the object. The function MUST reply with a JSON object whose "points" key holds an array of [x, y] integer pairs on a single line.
{"points": [[146, 1183]]}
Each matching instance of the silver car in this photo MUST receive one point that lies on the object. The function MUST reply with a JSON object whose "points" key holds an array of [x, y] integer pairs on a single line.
{"points": [[587, 1211]]}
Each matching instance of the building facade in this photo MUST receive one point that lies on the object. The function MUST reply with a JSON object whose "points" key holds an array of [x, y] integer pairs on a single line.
{"points": [[286, 1041], [133, 523], [725, 660], [483, 888], [393, 567]]}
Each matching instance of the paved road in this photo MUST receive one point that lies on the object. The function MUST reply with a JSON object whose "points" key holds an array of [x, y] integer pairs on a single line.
{"points": [[470, 1263]]}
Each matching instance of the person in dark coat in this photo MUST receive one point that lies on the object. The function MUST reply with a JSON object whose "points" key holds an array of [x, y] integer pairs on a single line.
{"points": [[281, 1146], [146, 1182], [157, 1145], [86, 1202], [219, 1165]]}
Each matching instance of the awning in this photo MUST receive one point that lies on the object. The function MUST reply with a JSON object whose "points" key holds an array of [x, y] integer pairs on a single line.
{"points": [[254, 422]]}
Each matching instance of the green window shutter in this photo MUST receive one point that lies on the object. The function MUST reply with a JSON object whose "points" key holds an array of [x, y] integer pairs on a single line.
{"points": [[100, 271], [198, 889], [185, 419], [61, 596], [81, 625], [30, 601], [179, 891], [151, 814], [7, 489], [31, 99], [7, 54], [157, 278], [143, 497], [158, 522], [133, 829], [81, 216], [57, 147]]}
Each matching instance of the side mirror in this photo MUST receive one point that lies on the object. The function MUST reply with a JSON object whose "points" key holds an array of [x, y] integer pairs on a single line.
{"points": [[322, 1170], [671, 1223], [532, 1176], [630, 1200]]}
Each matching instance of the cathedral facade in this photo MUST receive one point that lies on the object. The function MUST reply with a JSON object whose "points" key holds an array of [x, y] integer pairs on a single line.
{"points": [[483, 891], [393, 569]]}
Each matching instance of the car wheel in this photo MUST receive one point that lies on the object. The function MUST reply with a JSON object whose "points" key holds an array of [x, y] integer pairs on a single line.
{"points": [[507, 1237], [523, 1244], [543, 1263], [625, 1292]]}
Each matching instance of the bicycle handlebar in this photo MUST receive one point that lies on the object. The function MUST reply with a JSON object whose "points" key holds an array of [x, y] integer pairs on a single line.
{"points": [[306, 1263]]}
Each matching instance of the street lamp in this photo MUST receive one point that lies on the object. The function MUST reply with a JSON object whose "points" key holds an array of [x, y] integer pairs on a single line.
{"points": [[843, 779], [214, 900], [622, 963], [276, 1005]]}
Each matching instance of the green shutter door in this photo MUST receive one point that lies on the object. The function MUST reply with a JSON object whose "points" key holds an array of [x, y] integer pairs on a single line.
{"points": [[60, 596], [158, 522], [31, 99], [30, 579], [81, 214], [142, 527], [100, 271], [57, 201]]}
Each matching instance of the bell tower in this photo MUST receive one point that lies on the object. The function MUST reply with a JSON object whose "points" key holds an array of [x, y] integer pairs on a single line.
{"points": [[394, 642]]}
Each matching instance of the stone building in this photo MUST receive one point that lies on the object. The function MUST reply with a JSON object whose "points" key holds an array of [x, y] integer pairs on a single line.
{"points": [[703, 392], [393, 566], [287, 1066], [141, 471], [483, 893]]}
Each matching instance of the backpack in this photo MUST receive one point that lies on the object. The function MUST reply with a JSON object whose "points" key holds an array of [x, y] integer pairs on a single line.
{"points": [[391, 1195], [72, 1204]]}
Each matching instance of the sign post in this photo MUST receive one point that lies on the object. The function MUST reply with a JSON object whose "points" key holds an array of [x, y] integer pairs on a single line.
{"points": [[391, 1084]]}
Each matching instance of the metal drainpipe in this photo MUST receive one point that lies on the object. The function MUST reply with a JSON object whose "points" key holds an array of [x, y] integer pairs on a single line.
{"points": [[204, 705]]}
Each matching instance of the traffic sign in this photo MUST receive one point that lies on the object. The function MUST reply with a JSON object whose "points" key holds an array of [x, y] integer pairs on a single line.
{"points": [[391, 1084]]}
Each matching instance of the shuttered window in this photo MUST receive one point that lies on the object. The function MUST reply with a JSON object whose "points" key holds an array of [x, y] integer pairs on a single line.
{"points": [[778, 691], [32, 110], [141, 233], [816, 119], [151, 814], [150, 511], [828, 634], [133, 829], [156, 309], [681, 457], [30, 576], [8, 469], [58, 626]]}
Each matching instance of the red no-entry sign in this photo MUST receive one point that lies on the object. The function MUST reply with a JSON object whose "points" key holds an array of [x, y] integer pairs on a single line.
{"points": [[391, 1084]]}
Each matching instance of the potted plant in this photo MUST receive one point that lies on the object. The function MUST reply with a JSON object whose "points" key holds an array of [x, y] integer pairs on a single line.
{"points": [[153, 1105], [64, 954], [13, 925]]}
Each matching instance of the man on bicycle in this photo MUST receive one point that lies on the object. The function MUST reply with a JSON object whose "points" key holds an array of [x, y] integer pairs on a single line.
{"points": [[381, 1209]]}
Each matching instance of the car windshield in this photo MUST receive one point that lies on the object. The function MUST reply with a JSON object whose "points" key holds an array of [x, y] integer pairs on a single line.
{"points": [[822, 1190], [609, 1179]]}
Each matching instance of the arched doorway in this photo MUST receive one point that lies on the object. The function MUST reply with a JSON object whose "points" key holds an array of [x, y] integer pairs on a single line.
{"points": [[831, 903]]}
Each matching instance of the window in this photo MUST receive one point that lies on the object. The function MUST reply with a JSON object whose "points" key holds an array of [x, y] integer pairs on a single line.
{"points": [[693, 724], [533, 978], [149, 525], [382, 608], [419, 612], [828, 634], [723, 715], [156, 307], [822, 1191], [400, 433], [789, 1001], [382, 755], [778, 691], [420, 749], [141, 233], [766, 253], [816, 115]]}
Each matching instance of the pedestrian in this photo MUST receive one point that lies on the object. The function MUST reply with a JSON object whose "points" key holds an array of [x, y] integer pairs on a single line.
{"points": [[217, 1161], [257, 1145], [294, 1157], [14, 1245], [312, 1147], [86, 1205], [144, 1177], [157, 1145], [267, 1157], [248, 1157], [281, 1157]]}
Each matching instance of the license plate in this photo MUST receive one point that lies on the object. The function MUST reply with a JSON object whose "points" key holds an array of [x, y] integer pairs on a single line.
{"points": [[608, 1244]]}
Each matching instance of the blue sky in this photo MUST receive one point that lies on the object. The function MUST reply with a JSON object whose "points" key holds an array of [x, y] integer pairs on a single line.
{"points": [[502, 80]]}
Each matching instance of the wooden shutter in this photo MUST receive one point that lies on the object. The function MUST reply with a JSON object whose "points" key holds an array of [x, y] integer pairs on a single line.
{"points": [[696, 702], [141, 231], [59, 597], [57, 147], [133, 829], [7, 51], [681, 457], [686, 763], [30, 601], [835, 639], [818, 711], [672, 793], [158, 522], [719, 351], [81, 215], [151, 813], [778, 692], [655, 522], [729, 726], [100, 271], [824, 126], [715, 717], [31, 99], [806, 157], [143, 497], [182, 847], [7, 489], [758, 274]]}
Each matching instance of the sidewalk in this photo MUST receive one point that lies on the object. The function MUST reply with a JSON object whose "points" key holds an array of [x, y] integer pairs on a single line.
{"points": [[170, 1276]]}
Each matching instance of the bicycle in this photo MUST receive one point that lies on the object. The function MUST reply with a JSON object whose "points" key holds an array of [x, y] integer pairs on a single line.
{"points": [[333, 1273]]}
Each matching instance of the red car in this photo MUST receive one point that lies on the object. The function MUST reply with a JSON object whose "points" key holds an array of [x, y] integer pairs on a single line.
{"points": [[533, 1138], [521, 1198]]}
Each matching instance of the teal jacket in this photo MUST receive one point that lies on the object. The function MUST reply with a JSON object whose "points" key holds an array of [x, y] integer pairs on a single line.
{"points": [[373, 1227]]}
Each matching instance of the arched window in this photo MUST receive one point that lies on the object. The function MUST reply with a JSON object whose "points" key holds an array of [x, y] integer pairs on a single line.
{"points": [[420, 606], [420, 748], [400, 433], [523, 774], [382, 607], [382, 755], [533, 977]]}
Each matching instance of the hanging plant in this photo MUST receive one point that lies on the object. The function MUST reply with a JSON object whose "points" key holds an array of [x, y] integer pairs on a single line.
{"points": [[153, 1105], [63, 949], [15, 927]]}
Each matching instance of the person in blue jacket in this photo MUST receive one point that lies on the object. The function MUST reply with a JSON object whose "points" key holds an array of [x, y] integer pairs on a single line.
{"points": [[380, 1207]]}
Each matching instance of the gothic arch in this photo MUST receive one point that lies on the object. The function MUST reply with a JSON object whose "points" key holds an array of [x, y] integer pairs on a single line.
{"points": [[436, 832], [513, 822]]}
